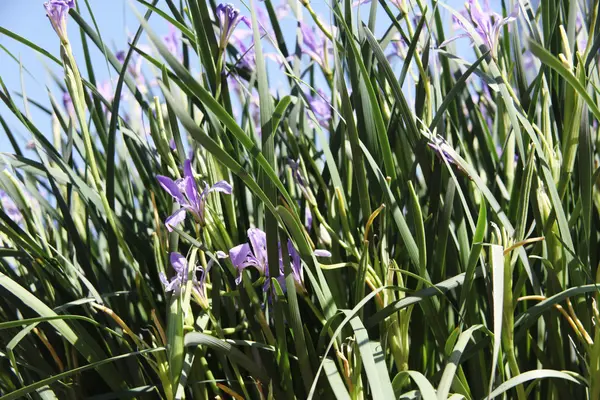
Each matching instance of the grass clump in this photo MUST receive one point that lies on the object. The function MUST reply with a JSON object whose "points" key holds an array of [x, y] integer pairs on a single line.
{"points": [[281, 202]]}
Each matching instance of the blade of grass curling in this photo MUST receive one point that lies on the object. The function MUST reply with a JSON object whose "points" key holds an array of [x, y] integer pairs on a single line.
{"points": [[528, 376], [112, 130], [425, 387], [528, 318], [435, 290], [213, 105], [454, 362], [380, 384], [28, 321], [497, 266]]}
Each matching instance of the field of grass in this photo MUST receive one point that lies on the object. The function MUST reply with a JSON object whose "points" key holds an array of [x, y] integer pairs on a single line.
{"points": [[276, 203]]}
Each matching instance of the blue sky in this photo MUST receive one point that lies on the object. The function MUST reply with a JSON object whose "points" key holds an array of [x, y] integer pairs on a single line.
{"points": [[115, 20], [28, 19]]}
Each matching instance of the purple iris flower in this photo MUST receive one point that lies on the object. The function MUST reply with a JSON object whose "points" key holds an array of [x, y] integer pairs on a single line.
{"points": [[296, 172], [57, 11], [186, 192], [314, 44], [487, 24], [180, 265], [244, 255], [228, 17], [320, 105], [296, 264], [254, 254]]}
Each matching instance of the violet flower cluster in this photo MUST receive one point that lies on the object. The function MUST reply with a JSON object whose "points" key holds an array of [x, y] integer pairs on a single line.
{"points": [[192, 196], [254, 254], [188, 194], [314, 44], [487, 24], [182, 270], [229, 17]]}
